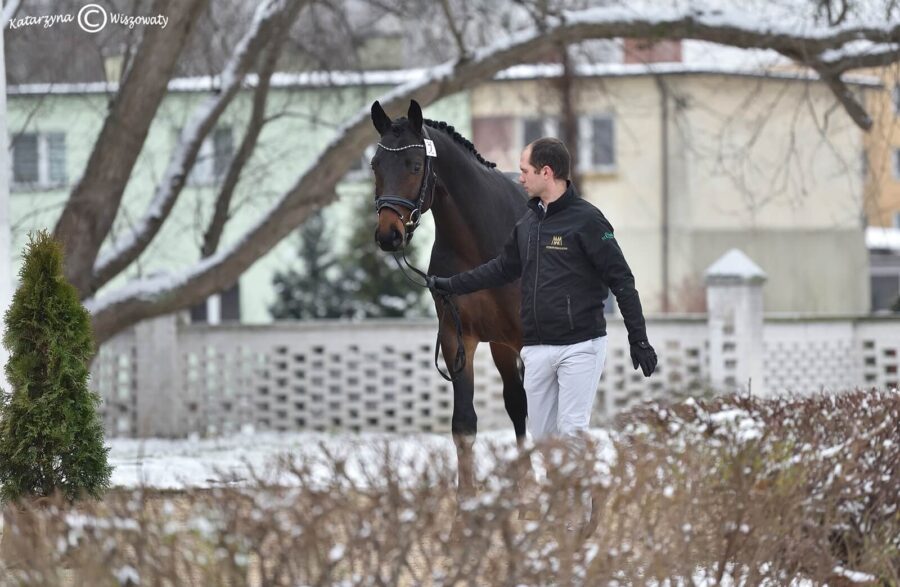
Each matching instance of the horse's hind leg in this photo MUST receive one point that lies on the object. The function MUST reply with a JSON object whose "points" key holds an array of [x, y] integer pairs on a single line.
{"points": [[507, 361]]}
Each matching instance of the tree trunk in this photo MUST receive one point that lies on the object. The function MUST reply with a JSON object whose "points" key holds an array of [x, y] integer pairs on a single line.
{"points": [[92, 207]]}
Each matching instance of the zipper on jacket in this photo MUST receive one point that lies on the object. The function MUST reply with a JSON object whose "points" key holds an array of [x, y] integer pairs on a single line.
{"points": [[537, 270], [569, 311]]}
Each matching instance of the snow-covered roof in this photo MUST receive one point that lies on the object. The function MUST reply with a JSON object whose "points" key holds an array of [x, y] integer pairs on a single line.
{"points": [[883, 238], [675, 68], [735, 264], [401, 76]]}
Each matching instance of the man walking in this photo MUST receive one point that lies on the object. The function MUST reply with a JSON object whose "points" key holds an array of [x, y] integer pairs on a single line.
{"points": [[566, 254]]}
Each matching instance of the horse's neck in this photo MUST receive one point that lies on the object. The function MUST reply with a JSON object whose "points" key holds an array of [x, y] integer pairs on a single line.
{"points": [[462, 223]]}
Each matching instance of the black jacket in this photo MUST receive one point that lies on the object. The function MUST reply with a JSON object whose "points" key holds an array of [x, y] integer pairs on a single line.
{"points": [[568, 260]]}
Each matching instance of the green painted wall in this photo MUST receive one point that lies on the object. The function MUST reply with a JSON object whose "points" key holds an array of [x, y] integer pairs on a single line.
{"points": [[307, 118]]}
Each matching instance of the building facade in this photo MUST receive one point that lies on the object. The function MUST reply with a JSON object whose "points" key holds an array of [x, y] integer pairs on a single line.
{"points": [[688, 163]]}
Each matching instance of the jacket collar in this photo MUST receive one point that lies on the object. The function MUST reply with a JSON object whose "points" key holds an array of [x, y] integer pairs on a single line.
{"points": [[562, 203]]}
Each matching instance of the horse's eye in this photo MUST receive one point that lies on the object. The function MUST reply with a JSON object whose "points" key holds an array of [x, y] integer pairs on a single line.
{"points": [[417, 167]]}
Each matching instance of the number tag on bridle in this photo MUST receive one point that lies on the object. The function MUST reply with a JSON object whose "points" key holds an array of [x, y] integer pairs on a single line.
{"points": [[430, 151]]}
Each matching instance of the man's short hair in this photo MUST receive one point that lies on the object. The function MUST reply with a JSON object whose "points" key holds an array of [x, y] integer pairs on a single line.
{"points": [[552, 153]]}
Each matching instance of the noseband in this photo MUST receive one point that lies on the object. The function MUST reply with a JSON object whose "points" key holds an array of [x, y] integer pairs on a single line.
{"points": [[426, 190]]}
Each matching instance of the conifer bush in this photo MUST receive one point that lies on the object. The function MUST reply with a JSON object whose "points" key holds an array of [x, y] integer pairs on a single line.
{"points": [[51, 439]]}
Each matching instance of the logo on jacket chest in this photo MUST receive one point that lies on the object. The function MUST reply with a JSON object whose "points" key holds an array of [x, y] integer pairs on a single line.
{"points": [[556, 244]]}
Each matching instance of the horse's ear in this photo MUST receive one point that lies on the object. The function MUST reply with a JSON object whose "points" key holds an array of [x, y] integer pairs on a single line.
{"points": [[380, 119], [414, 115]]}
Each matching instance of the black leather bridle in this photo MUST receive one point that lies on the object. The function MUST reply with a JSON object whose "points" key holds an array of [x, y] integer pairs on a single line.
{"points": [[426, 190]]}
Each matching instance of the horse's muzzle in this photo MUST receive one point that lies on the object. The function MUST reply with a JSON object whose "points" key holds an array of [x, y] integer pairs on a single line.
{"points": [[390, 240]]}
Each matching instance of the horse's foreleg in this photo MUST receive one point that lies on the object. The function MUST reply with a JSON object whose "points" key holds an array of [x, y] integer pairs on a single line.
{"points": [[464, 423]]}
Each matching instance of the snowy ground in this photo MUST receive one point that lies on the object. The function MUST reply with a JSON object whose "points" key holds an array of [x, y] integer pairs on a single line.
{"points": [[174, 464]]}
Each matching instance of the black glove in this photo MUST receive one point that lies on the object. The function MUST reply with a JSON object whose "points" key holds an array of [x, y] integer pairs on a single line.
{"points": [[439, 285], [643, 354]]}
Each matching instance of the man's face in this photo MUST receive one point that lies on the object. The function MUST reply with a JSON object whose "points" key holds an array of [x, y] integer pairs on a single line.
{"points": [[531, 179]]}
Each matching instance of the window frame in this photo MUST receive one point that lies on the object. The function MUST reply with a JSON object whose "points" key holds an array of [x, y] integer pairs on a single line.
{"points": [[550, 127], [44, 180], [203, 172], [882, 273], [586, 144]]}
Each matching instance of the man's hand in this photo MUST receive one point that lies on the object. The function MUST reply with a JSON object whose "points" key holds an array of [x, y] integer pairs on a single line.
{"points": [[439, 285], [643, 354]]}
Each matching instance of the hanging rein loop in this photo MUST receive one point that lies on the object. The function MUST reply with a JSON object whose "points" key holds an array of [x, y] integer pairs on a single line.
{"points": [[459, 361], [416, 208]]}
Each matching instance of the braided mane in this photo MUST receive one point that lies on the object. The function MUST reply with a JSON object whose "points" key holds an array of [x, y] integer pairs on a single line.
{"points": [[458, 138]]}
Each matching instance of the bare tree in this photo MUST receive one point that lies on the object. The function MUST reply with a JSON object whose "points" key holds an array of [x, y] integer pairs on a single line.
{"points": [[86, 222]]}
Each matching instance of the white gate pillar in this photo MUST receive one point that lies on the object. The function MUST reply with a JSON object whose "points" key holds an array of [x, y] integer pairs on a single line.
{"points": [[734, 301], [160, 403]]}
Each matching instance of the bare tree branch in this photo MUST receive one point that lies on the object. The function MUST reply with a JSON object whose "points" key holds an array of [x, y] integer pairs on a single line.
{"points": [[9, 12], [95, 199], [195, 131], [315, 186], [879, 56], [457, 34], [216, 226], [856, 110]]}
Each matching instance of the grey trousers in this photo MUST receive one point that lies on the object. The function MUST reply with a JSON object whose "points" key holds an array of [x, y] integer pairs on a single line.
{"points": [[560, 385]]}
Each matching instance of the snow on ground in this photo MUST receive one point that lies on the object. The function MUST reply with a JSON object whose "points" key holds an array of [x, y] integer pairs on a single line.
{"points": [[195, 462]]}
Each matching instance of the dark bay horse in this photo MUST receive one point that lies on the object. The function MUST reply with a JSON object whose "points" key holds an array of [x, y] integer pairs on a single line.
{"points": [[475, 208]]}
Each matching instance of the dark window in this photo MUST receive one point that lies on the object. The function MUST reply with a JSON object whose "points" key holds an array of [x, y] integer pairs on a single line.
{"points": [[231, 303], [603, 153], [56, 158], [25, 159], [885, 290], [223, 149], [198, 312], [895, 98], [213, 158], [532, 130], [229, 307]]}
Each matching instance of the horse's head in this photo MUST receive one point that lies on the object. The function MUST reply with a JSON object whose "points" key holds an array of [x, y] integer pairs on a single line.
{"points": [[403, 176]]}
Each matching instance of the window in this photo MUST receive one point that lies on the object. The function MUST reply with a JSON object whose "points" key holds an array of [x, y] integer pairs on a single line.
{"points": [[212, 159], [535, 128], [597, 143], [360, 170], [39, 161], [885, 289], [895, 98], [221, 307], [895, 160], [596, 139]]}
